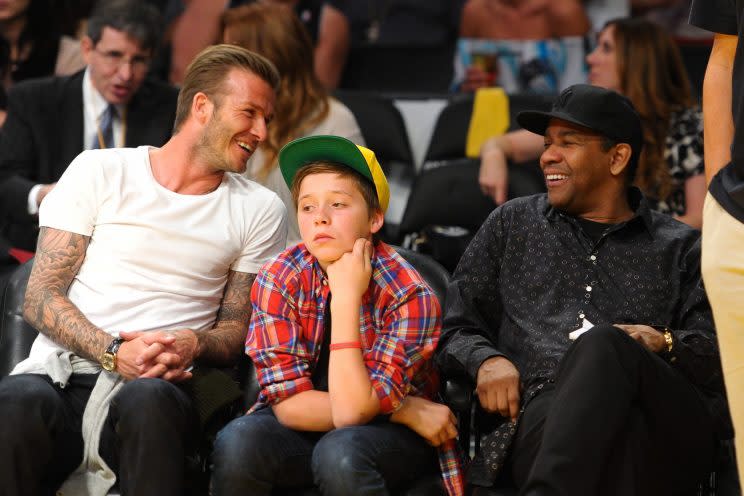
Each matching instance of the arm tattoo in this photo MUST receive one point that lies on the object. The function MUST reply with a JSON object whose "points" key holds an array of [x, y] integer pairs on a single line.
{"points": [[224, 342], [59, 255]]}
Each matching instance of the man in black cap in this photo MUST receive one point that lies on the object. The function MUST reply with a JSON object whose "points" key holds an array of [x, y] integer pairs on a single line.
{"points": [[581, 317]]}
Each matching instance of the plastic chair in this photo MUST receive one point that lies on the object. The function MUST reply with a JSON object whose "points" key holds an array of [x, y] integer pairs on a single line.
{"points": [[16, 335], [385, 132], [399, 68], [451, 130]]}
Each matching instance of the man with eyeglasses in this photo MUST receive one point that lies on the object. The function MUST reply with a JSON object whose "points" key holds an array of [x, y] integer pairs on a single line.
{"points": [[109, 104]]}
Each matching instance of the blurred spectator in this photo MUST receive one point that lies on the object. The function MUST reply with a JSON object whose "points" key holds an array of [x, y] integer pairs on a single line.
{"points": [[602, 11], [32, 45], [194, 29], [308, 11], [30, 42], [640, 60], [347, 25], [523, 19], [517, 20], [50, 121], [303, 106], [192, 25], [672, 15]]}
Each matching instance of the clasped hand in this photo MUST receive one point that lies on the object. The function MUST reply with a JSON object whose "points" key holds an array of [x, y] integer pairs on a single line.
{"points": [[647, 336], [163, 354]]}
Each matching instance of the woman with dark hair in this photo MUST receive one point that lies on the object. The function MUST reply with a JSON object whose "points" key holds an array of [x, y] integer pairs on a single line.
{"points": [[303, 106], [638, 59]]}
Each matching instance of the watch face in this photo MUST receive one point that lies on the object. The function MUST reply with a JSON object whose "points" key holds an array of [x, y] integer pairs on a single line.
{"points": [[108, 361]]}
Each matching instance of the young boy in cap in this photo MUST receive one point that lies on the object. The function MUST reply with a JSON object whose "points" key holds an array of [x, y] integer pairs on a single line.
{"points": [[342, 335]]}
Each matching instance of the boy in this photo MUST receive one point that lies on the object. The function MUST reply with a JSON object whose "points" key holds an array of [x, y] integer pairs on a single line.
{"points": [[345, 378]]}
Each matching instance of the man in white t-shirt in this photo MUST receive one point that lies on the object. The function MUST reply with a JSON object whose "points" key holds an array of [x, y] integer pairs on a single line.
{"points": [[144, 266]]}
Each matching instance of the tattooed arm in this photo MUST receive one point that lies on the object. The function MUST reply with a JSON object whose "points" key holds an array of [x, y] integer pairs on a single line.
{"points": [[59, 255], [224, 343]]}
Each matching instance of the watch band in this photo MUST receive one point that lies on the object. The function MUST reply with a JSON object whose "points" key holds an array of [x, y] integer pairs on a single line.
{"points": [[108, 357], [114, 346]]}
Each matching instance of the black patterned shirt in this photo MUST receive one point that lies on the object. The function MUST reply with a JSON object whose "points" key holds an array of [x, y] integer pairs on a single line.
{"points": [[531, 275]]}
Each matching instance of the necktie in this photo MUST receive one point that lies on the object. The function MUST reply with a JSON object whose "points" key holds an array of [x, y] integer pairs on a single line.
{"points": [[104, 137]]}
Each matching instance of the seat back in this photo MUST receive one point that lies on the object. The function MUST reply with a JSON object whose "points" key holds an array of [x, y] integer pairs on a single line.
{"points": [[385, 133], [443, 211], [16, 335], [381, 124], [399, 68], [434, 273], [451, 129]]}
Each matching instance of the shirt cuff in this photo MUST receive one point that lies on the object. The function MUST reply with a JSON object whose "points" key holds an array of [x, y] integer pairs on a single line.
{"points": [[32, 204], [477, 357]]}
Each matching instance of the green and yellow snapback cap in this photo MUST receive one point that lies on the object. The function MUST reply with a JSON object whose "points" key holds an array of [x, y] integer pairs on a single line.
{"points": [[302, 151]]}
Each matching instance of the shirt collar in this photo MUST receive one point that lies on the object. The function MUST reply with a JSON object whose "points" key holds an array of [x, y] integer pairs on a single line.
{"points": [[94, 103], [636, 199]]}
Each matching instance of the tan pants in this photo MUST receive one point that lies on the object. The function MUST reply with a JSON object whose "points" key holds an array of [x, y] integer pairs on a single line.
{"points": [[723, 275]]}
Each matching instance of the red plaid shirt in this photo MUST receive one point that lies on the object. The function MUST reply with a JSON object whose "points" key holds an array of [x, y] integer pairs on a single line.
{"points": [[399, 329]]}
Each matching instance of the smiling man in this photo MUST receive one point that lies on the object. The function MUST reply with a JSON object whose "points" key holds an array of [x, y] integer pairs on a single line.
{"points": [[581, 317], [108, 104], [143, 270]]}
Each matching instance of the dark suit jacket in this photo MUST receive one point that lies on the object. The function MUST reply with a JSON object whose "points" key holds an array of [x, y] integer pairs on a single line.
{"points": [[44, 133]]}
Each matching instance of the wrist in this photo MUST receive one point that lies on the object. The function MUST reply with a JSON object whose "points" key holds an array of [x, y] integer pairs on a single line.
{"points": [[403, 414], [345, 299], [666, 341], [502, 144], [108, 359]]}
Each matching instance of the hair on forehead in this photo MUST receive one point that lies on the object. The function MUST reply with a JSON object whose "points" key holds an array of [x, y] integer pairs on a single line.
{"points": [[363, 185]]}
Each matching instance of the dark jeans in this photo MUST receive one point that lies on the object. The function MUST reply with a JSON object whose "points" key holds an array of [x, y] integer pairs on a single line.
{"points": [[618, 421], [255, 453], [149, 430]]}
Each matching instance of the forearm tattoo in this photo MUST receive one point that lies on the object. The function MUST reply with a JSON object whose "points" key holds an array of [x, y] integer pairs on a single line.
{"points": [[224, 343], [59, 255]]}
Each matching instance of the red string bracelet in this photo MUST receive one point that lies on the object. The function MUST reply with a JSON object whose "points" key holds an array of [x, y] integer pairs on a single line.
{"points": [[345, 345]]}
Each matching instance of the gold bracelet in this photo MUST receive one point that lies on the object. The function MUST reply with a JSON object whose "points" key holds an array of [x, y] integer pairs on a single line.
{"points": [[669, 340], [668, 337]]}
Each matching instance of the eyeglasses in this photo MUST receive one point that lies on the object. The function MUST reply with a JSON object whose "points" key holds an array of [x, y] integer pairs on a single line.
{"points": [[115, 59]]}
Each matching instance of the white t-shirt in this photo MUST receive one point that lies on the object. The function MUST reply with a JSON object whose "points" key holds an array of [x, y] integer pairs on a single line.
{"points": [[157, 260]]}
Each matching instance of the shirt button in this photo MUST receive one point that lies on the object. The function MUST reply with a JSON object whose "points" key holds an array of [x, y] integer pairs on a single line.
{"points": [[581, 315], [593, 257], [588, 288], [325, 283]]}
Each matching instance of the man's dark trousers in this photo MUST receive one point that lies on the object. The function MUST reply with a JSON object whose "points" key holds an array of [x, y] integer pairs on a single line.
{"points": [[149, 431], [618, 420]]}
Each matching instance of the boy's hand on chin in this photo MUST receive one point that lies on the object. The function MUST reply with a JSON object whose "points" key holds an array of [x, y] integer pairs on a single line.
{"points": [[349, 275]]}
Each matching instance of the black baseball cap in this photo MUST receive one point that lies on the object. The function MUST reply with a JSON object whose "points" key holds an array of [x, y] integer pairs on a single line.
{"points": [[604, 111]]}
